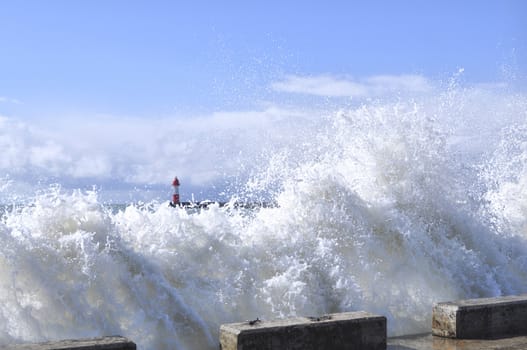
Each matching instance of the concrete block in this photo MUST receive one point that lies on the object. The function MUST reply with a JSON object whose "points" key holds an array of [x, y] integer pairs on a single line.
{"points": [[349, 330], [105, 343], [485, 318]]}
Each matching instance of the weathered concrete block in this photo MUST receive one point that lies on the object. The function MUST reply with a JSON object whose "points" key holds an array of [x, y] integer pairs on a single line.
{"points": [[485, 318], [105, 343], [349, 330]]}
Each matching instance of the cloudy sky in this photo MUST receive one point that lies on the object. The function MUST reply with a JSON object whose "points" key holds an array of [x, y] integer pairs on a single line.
{"points": [[127, 93]]}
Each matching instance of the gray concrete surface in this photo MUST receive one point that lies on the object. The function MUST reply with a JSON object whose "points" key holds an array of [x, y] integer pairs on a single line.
{"points": [[484, 318], [431, 342], [349, 330], [104, 343]]}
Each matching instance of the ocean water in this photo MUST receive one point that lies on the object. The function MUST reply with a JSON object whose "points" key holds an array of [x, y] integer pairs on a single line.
{"points": [[383, 206]]}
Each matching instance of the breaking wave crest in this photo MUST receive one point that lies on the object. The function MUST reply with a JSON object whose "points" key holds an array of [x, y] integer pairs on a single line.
{"points": [[384, 207]]}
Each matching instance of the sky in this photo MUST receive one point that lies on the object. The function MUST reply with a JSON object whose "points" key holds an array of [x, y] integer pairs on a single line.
{"points": [[103, 92]]}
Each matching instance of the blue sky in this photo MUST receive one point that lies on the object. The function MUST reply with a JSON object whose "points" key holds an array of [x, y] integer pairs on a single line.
{"points": [[159, 57], [72, 67]]}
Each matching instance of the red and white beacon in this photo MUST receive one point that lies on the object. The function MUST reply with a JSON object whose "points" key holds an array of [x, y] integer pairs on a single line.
{"points": [[175, 196]]}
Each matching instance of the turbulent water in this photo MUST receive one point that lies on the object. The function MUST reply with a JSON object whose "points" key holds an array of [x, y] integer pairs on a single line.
{"points": [[386, 206]]}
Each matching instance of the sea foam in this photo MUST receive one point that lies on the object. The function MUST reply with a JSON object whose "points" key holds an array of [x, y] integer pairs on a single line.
{"points": [[385, 206]]}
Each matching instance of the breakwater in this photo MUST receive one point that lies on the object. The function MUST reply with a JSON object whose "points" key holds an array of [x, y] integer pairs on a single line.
{"points": [[473, 324]]}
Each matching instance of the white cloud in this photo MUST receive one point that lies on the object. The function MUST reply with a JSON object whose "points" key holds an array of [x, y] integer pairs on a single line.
{"points": [[5, 99], [13, 143], [321, 85], [48, 155], [90, 166], [150, 151], [381, 84], [120, 150], [330, 86]]}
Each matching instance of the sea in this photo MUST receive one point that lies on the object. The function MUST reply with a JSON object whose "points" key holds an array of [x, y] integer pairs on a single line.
{"points": [[382, 205]]}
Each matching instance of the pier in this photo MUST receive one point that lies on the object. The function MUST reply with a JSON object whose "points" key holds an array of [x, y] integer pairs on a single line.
{"points": [[235, 205]]}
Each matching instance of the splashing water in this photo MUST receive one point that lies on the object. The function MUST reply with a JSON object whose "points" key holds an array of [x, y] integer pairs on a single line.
{"points": [[384, 207]]}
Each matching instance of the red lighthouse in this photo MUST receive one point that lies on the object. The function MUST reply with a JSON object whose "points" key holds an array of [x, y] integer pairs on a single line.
{"points": [[175, 196]]}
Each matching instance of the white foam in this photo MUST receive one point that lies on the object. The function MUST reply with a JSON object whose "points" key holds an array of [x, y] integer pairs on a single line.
{"points": [[388, 208]]}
